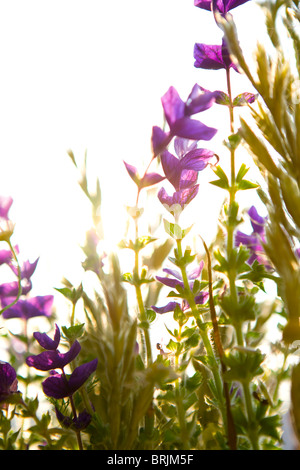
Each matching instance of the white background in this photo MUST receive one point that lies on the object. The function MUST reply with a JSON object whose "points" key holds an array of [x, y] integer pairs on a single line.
{"points": [[89, 75]]}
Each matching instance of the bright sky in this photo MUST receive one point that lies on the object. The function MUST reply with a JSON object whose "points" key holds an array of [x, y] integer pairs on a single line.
{"points": [[89, 75]]}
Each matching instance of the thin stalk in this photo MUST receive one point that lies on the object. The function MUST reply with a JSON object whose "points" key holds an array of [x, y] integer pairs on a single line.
{"points": [[142, 310], [207, 344], [232, 272]]}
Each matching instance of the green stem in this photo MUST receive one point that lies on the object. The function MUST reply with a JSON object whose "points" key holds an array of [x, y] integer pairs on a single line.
{"points": [[232, 272], [142, 310], [207, 344]]}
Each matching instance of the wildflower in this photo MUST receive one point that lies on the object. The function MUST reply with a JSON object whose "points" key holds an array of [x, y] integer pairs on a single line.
{"points": [[46, 342], [26, 270], [178, 116], [79, 423], [182, 172], [8, 382], [213, 57], [60, 386], [178, 113], [254, 241], [27, 308], [179, 200], [11, 289], [176, 281], [5, 204], [191, 275], [200, 299], [221, 6], [5, 256], [149, 179], [53, 359]]}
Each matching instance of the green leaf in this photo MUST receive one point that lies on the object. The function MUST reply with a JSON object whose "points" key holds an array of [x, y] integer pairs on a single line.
{"points": [[73, 332], [245, 184], [222, 182], [175, 231]]}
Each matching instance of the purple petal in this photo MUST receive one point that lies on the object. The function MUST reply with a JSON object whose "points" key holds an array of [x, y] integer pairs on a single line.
{"points": [[27, 269], [11, 289], [169, 282], [5, 256], [173, 273], [183, 146], [170, 307], [159, 140], [197, 159], [257, 222], [5, 204], [192, 129], [46, 342], [195, 273], [81, 374], [188, 179], [150, 179], [223, 6], [7, 377], [29, 308], [208, 56], [56, 386], [199, 100], [201, 298], [173, 106], [179, 199], [244, 239], [205, 4], [185, 196], [49, 360], [132, 171], [171, 167]]}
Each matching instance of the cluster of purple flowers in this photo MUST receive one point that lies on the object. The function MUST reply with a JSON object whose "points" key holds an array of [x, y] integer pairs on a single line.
{"points": [[59, 384], [26, 307], [16, 303]]}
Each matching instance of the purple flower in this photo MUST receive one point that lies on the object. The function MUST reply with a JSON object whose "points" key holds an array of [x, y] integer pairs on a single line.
{"points": [[5, 204], [213, 57], [179, 200], [177, 114], [200, 299], [254, 241], [222, 6], [53, 359], [29, 308], [11, 289], [177, 281], [46, 342], [8, 381], [60, 386], [192, 275], [149, 179], [182, 172], [27, 269], [5, 256], [78, 423]]}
